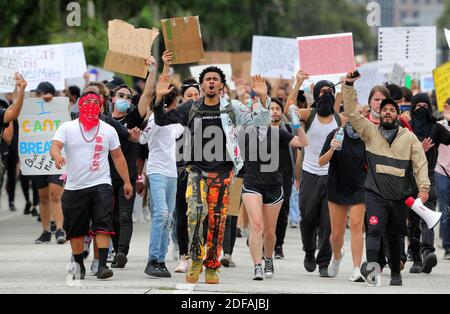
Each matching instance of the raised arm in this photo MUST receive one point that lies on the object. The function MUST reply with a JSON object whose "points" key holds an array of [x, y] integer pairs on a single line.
{"points": [[147, 95], [13, 112], [292, 99]]}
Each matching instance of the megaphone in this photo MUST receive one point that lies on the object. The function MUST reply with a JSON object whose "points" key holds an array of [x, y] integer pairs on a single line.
{"points": [[430, 217]]}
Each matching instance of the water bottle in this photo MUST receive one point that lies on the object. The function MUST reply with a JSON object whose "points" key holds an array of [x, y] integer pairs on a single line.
{"points": [[340, 138], [294, 117]]}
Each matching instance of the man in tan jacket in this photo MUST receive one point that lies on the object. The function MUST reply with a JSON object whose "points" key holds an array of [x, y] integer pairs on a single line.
{"points": [[394, 154]]}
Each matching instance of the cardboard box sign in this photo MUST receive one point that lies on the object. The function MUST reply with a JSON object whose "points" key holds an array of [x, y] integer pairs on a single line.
{"points": [[183, 37], [128, 48]]}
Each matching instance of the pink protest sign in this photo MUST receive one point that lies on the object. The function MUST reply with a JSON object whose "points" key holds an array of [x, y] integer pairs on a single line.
{"points": [[327, 55]]}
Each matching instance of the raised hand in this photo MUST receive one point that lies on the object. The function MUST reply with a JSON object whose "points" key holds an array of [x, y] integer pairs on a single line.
{"points": [[150, 62], [163, 88], [301, 77], [352, 78], [241, 89], [259, 86], [167, 57], [21, 84]]}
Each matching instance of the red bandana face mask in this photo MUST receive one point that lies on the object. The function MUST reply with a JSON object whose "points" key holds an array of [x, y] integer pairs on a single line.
{"points": [[90, 106]]}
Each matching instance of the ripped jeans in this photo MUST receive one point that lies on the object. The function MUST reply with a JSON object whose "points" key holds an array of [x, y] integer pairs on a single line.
{"points": [[163, 191]]}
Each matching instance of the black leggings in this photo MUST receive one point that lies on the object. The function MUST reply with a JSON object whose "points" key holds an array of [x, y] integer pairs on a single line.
{"points": [[181, 216], [26, 183], [12, 177], [230, 235]]}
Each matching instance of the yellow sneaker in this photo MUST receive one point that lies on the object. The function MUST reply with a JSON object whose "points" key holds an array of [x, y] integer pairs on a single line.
{"points": [[211, 276], [193, 274]]}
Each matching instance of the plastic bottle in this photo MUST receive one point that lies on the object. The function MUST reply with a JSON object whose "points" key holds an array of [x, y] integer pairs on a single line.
{"points": [[340, 138], [294, 117]]}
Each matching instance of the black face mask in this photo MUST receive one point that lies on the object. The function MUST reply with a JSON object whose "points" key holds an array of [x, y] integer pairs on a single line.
{"points": [[325, 105], [421, 123]]}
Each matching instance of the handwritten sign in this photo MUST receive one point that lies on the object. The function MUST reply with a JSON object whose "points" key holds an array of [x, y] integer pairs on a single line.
{"points": [[274, 57], [370, 77], [38, 123], [327, 55], [74, 60], [9, 66], [414, 48], [397, 74], [442, 84], [128, 48]]}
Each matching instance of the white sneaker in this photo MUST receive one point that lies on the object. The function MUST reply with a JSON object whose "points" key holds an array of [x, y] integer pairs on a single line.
{"points": [[370, 276], [356, 275], [94, 267], [333, 269], [184, 265]]}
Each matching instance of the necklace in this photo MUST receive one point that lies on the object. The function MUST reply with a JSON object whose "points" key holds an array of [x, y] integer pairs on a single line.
{"points": [[84, 137]]}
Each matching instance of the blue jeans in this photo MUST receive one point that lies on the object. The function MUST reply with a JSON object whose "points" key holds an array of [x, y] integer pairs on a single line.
{"points": [[163, 192], [294, 212], [443, 191]]}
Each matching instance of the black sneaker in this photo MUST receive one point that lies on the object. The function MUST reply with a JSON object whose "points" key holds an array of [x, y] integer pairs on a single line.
{"points": [[416, 267], [46, 237], [104, 273], [120, 261], [12, 208], [53, 227], [279, 254], [60, 236], [269, 269], [164, 271], [34, 212], [429, 262], [310, 263], [396, 280], [27, 210], [323, 272], [80, 273], [153, 270], [39, 218]]}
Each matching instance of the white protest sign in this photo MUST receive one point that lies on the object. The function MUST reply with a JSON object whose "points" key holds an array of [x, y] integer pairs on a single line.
{"points": [[414, 48], [396, 76], [9, 66], [38, 123], [226, 68], [274, 57], [370, 77], [335, 79], [74, 60], [99, 74], [447, 36]]}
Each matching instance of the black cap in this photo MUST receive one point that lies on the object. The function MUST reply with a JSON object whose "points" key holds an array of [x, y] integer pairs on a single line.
{"points": [[45, 88], [116, 81], [396, 91], [389, 102]]}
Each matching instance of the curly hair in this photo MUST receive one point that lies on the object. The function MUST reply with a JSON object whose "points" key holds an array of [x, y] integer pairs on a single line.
{"points": [[213, 70]]}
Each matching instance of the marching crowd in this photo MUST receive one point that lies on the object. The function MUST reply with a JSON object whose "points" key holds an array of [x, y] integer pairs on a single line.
{"points": [[204, 155]]}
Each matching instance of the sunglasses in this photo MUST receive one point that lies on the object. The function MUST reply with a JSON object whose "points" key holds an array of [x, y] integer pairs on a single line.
{"points": [[122, 96]]}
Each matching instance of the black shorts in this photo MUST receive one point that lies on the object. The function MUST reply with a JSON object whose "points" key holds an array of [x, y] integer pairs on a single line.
{"points": [[271, 197], [44, 181], [384, 216], [88, 211]]}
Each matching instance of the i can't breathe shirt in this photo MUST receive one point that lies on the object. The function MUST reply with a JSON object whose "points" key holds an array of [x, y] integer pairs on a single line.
{"points": [[87, 162]]}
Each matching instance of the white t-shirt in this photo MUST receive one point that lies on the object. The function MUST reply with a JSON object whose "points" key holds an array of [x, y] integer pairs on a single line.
{"points": [[162, 147], [87, 163]]}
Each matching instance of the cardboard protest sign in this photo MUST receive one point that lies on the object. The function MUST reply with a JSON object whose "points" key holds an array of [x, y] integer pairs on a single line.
{"points": [[74, 60], [9, 66], [226, 68], [397, 74], [128, 48], [40, 64], [447, 36], [327, 55], [183, 38], [38, 123], [370, 77], [442, 84], [414, 48], [274, 57]]}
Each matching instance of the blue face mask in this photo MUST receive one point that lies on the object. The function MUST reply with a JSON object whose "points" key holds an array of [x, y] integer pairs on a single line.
{"points": [[122, 105]]}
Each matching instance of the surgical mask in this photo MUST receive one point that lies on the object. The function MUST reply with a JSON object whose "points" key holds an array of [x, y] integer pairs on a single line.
{"points": [[122, 105]]}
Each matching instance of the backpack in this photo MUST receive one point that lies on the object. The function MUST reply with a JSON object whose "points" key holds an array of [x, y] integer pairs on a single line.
{"points": [[196, 112], [313, 115]]}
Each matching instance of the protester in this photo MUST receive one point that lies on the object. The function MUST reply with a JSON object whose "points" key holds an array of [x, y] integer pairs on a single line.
{"points": [[392, 154], [88, 195], [263, 193], [346, 196], [209, 181], [319, 122], [432, 135]]}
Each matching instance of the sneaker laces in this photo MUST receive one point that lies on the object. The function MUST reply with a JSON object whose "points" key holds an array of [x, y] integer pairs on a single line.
{"points": [[269, 265]]}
